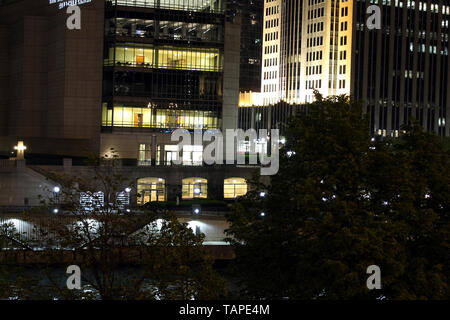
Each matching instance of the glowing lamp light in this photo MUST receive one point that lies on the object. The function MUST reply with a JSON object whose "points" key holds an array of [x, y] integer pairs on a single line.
{"points": [[56, 189], [55, 211], [20, 146], [197, 190], [197, 211], [263, 214], [128, 190], [262, 194]]}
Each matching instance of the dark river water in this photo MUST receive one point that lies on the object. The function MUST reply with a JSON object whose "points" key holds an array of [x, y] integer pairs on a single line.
{"points": [[43, 283]]}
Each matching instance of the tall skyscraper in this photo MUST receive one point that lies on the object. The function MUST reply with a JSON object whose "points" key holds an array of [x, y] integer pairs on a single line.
{"points": [[251, 12], [390, 54]]}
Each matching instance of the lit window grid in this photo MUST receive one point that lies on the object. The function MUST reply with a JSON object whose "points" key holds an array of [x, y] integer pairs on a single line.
{"points": [[210, 59], [185, 5], [131, 117]]}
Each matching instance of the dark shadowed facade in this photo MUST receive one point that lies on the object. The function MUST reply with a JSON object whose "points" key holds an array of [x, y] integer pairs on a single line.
{"points": [[50, 78]]}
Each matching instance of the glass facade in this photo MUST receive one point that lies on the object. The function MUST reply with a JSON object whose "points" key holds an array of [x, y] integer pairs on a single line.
{"points": [[182, 5], [163, 69], [251, 44], [168, 57], [164, 30], [135, 117]]}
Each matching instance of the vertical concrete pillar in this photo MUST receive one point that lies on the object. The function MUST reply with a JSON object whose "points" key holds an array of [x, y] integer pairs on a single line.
{"points": [[231, 77]]}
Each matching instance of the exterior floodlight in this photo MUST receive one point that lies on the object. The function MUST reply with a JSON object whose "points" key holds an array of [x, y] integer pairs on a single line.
{"points": [[55, 210], [56, 189], [128, 190], [262, 194], [263, 214]]}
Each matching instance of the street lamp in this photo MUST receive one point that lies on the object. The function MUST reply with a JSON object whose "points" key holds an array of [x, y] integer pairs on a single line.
{"points": [[20, 148], [56, 191]]}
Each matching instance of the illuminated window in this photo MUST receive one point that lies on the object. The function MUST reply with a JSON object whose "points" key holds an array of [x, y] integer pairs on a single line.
{"points": [[191, 5], [144, 155], [122, 199], [194, 188], [202, 59], [150, 190], [90, 201], [234, 187], [192, 155], [171, 154], [159, 118]]}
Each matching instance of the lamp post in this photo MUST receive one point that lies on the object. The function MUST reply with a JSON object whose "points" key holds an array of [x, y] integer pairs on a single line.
{"points": [[20, 148], [56, 191]]}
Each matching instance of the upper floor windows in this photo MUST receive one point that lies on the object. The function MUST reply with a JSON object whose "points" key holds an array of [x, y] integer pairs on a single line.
{"points": [[166, 57], [190, 5]]}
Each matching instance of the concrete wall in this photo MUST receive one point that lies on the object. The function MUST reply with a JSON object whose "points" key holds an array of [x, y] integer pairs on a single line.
{"points": [[21, 186], [54, 76], [231, 74], [20, 182], [4, 88]]}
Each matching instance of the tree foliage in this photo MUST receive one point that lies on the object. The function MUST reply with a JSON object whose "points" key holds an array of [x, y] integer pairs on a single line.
{"points": [[342, 202]]}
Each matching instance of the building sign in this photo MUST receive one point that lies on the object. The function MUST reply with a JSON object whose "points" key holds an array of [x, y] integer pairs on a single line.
{"points": [[68, 3]]}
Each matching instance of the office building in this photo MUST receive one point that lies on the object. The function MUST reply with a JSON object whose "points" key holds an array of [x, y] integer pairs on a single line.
{"points": [[393, 57]]}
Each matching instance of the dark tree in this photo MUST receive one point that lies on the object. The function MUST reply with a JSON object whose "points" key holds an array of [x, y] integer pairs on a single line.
{"points": [[342, 202]]}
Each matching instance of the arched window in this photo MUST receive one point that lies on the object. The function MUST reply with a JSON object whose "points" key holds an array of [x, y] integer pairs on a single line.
{"points": [[151, 189], [234, 187], [194, 188]]}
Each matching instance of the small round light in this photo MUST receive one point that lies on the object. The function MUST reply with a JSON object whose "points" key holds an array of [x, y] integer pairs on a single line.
{"points": [[263, 214], [197, 211], [197, 190], [128, 190], [56, 189], [128, 210], [262, 194], [55, 210]]}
